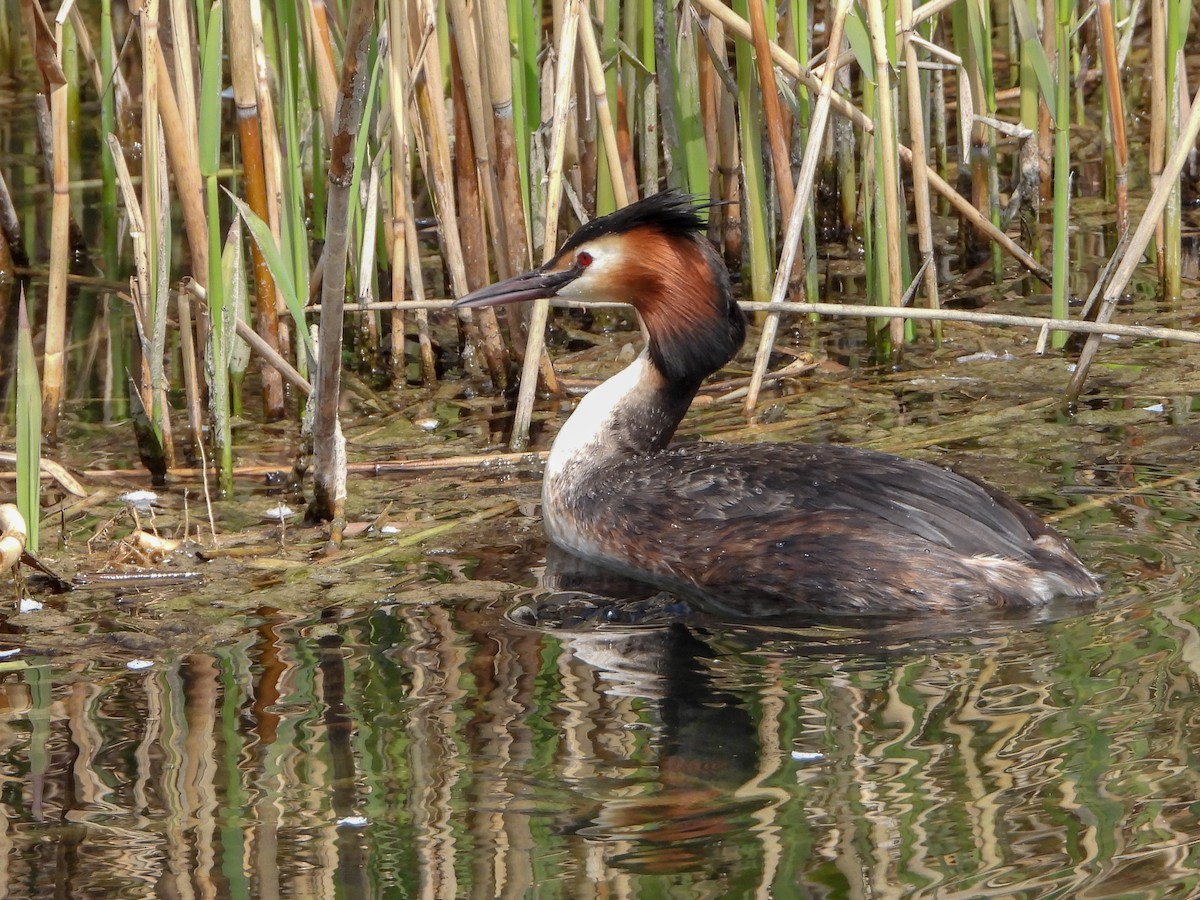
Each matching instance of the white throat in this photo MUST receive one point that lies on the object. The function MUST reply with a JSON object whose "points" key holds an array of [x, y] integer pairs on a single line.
{"points": [[589, 435]]}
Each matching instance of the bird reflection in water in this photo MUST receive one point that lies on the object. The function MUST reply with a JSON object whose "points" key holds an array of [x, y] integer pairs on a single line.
{"points": [[643, 643]]}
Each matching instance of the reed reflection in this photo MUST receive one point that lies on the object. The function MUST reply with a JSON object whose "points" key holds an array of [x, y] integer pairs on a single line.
{"points": [[461, 745]]}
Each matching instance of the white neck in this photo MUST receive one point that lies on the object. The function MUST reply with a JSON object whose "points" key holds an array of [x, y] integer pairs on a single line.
{"points": [[632, 415], [590, 435]]}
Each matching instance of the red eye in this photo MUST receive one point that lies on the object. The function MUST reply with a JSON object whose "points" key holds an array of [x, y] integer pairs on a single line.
{"points": [[583, 260]]}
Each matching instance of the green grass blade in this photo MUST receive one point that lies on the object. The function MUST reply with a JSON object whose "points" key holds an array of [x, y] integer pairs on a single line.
{"points": [[860, 42], [1032, 50], [261, 232], [210, 96]]}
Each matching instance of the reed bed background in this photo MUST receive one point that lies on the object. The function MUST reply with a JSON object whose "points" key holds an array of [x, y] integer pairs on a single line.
{"points": [[265, 169]]}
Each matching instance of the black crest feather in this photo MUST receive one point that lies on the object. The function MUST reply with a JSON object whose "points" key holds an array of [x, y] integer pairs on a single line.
{"points": [[672, 212]]}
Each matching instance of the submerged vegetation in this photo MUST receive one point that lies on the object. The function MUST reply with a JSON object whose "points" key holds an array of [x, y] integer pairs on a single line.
{"points": [[265, 166]]}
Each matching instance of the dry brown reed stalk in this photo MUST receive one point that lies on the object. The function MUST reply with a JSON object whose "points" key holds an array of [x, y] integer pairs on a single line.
{"points": [[842, 139], [184, 66], [781, 160], [1045, 142], [476, 100], [554, 193], [1132, 255], [511, 209], [583, 164], [625, 143], [650, 137], [137, 228], [320, 52], [250, 127], [329, 452], [191, 373], [54, 357], [709, 89], [181, 141], [803, 195], [511, 222], [272, 163], [916, 134], [466, 176], [417, 282], [476, 178], [436, 160], [406, 254], [1116, 113], [595, 72], [728, 157], [183, 154]]}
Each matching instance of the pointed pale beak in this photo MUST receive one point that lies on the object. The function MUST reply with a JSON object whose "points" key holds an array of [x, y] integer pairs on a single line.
{"points": [[533, 285]]}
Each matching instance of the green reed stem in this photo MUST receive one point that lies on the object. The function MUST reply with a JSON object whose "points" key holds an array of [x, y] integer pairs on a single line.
{"points": [[292, 226], [802, 33], [524, 28], [1178, 19], [757, 218], [29, 429], [1060, 287], [210, 164], [691, 126]]}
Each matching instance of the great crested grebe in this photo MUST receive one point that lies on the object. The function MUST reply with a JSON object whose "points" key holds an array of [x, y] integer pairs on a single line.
{"points": [[766, 529]]}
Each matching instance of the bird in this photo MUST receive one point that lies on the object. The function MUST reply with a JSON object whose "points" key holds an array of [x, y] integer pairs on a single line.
{"points": [[755, 531]]}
